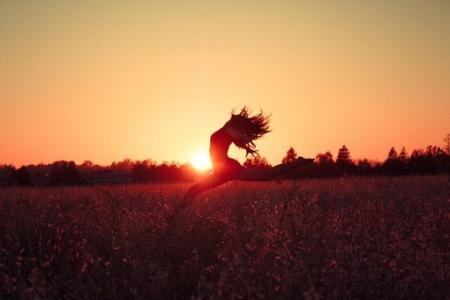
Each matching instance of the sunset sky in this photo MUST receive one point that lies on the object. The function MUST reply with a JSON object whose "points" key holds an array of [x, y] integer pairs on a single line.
{"points": [[106, 80]]}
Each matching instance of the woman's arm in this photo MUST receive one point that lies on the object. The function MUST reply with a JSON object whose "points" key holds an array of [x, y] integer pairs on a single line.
{"points": [[252, 174]]}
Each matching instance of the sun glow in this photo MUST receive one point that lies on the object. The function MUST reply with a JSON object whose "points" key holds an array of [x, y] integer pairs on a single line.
{"points": [[200, 161]]}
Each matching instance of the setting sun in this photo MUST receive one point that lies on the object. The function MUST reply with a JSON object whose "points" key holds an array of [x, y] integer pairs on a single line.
{"points": [[201, 161]]}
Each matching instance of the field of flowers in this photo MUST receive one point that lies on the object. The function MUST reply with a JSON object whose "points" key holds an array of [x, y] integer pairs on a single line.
{"points": [[359, 238]]}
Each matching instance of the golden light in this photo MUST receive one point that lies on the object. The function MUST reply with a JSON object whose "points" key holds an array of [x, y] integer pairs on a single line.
{"points": [[201, 161]]}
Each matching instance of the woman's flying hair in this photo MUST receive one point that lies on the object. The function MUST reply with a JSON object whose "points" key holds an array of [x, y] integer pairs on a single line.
{"points": [[247, 128]]}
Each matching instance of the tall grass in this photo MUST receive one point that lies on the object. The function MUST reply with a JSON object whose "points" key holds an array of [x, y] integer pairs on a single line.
{"points": [[364, 238]]}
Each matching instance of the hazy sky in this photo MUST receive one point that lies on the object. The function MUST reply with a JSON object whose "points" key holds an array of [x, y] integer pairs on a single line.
{"points": [[107, 80]]}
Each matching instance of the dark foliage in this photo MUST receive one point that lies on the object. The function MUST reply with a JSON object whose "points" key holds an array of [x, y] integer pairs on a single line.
{"points": [[291, 155], [257, 162], [20, 177], [432, 160], [146, 171], [65, 173]]}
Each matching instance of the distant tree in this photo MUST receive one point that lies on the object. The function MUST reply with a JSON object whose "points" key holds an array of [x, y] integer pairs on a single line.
{"points": [[343, 158], [441, 161], [325, 166], [447, 143], [65, 173], [432, 160], [39, 173], [392, 154], [364, 167], [417, 153], [291, 156], [142, 171], [167, 172], [188, 173], [344, 162], [87, 164], [433, 151], [21, 176], [392, 164], [403, 156], [418, 162], [124, 165], [256, 162], [435, 159], [324, 158], [5, 174]]}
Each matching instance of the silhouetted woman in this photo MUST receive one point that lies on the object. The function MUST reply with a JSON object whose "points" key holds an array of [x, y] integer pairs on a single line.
{"points": [[242, 130]]}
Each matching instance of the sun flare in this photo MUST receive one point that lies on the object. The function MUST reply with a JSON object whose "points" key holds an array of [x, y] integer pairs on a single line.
{"points": [[200, 161]]}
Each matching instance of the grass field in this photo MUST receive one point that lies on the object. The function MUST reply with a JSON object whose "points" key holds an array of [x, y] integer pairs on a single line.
{"points": [[362, 238]]}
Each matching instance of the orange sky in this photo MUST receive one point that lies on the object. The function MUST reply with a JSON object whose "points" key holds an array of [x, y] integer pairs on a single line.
{"points": [[107, 80]]}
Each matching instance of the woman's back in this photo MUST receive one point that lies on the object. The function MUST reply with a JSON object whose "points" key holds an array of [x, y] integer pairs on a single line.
{"points": [[220, 142]]}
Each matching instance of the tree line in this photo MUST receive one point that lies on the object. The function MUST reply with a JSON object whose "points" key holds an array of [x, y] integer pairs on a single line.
{"points": [[431, 160], [68, 173]]}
